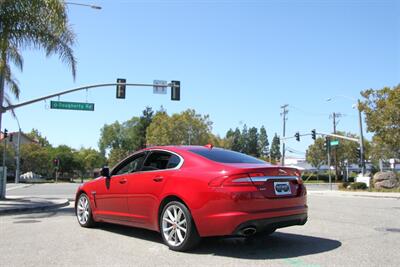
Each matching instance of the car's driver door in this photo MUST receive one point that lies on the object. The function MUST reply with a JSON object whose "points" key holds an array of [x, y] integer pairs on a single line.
{"points": [[111, 196]]}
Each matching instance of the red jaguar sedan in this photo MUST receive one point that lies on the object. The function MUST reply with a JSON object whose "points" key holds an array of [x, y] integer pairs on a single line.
{"points": [[189, 192]]}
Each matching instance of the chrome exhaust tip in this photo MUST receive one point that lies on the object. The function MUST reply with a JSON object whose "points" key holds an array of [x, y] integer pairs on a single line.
{"points": [[249, 231]]}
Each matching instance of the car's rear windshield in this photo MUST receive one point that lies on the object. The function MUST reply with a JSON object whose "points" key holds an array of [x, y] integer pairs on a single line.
{"points": [[226, 156]]}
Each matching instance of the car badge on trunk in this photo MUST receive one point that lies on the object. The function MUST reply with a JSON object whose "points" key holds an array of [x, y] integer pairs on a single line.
{"points": [[281, 171]]}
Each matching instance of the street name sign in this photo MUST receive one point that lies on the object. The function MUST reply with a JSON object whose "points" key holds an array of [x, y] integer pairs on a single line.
{"points": [[72, 105], [334, 142], [160, 89]]}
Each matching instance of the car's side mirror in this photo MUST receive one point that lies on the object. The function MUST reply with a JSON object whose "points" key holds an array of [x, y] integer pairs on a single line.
{"points": [[105, 171]]}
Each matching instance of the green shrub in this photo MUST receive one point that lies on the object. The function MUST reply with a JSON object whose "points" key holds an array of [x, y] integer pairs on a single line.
{"points": [[358, 185], [343, 186]]}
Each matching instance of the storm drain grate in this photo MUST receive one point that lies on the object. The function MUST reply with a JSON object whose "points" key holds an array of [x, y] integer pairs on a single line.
{"points": [[392, 230]]}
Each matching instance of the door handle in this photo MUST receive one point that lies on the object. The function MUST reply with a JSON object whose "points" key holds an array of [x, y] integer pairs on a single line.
{"points": [[122, 181], [158, 179]]}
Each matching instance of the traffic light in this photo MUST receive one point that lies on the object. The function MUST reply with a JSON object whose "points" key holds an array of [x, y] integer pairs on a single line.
{"points": [[297, 135], [358, 152], [176, 90], [5, 133], [327, 143], [121, 88], [11, 137], [56, 162], [313, 134]]}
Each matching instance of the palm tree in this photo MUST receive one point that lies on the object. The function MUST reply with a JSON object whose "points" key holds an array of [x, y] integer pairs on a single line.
{"points": [[37, 24]]}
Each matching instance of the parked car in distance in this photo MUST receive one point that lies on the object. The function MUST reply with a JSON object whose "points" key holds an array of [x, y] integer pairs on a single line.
{"points": [[189, 192]]}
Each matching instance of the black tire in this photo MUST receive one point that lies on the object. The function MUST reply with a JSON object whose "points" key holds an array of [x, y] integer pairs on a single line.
{"points": [[191, 237], [89, 222]]}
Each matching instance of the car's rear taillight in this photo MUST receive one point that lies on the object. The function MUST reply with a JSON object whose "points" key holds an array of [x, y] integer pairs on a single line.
{"points": [[245, 179], [231, 180]]}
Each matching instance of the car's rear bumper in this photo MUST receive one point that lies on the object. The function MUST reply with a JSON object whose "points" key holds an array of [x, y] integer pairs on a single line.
{"points": [[261, 225], [224, 216]]}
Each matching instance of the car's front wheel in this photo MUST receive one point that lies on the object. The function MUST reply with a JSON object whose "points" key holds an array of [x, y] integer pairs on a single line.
{"points": [[84, 212], [177, 227]]}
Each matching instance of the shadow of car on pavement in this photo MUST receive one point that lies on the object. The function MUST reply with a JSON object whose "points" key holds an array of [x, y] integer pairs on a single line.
{"points": [[279, 245]]}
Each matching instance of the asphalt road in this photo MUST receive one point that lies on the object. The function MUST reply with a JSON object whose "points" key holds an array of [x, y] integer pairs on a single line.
{"points": [[342, 231], [59, 190]]}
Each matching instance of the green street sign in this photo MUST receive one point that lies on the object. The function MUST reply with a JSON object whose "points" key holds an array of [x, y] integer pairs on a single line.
{"points": [[72, 105], [334, 142]]}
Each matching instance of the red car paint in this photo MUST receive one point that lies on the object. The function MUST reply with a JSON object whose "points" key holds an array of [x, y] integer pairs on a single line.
{"points": [[218, 207]]}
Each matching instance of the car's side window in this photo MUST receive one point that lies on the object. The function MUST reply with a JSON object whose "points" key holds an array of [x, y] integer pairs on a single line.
{"points": [[132, 165], [160, 160]]}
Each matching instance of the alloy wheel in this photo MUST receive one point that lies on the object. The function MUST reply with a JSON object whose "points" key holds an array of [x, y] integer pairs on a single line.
{"points": [[83, 209], [174, 225]]}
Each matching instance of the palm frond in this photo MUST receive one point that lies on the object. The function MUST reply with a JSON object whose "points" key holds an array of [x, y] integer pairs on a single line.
{"points": [[7, 99], [14, 55]]}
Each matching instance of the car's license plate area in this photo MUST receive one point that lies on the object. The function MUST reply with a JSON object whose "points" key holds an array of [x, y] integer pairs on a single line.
{"points": [[282, 188]]}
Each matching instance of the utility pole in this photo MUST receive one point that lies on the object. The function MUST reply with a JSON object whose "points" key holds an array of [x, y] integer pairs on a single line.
{"points": [[361, 138], [18, 157], [334, 116], [4, 174], [284, 113]]}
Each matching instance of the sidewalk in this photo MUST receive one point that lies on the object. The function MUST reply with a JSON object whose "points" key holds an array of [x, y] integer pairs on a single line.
{"points": [[14, 204], [355, 194]]}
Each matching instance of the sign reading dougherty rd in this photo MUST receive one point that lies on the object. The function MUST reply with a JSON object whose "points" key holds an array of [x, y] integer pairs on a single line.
{"points": [[72, 105], [334, 142]]}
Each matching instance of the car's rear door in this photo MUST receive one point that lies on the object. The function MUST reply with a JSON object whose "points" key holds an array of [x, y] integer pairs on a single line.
{"points": [[145, 188]]}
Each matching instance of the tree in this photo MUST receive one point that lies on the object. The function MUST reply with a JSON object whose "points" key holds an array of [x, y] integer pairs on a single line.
{"points": [[37, 136], [37, 159], [40, 24], [316, 153], [236, 140], [244, 140], [90, 159], [180, 129], [10, 156], [68, 161], [121, 139], [382, 112], [252, 142], [263, 144], [111, 137], [275, 149]]}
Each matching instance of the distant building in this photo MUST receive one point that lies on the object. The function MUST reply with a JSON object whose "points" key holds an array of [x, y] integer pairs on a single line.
{"points": [[25, 139], [299, 163]]}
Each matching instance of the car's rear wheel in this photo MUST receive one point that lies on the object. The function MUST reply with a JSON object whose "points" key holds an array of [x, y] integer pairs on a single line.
{"points": [[84, 212], [177, 227]]}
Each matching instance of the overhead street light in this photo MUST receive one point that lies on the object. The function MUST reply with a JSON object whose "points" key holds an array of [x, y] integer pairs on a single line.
{"points": [[80, 4], [358, 105]]}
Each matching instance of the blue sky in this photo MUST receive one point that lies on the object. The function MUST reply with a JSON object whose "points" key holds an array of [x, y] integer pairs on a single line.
{"points": [[237, 61]]}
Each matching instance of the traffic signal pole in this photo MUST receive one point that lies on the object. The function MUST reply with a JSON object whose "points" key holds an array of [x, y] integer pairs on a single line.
{"points": [[10, 107]]}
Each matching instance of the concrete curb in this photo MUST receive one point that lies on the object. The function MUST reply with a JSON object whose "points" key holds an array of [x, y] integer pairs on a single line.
{"points": [[387, 195], [49, 204]]}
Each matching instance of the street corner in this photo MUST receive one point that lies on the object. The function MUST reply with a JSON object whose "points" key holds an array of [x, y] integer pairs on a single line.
{"points": [[13, 205]]}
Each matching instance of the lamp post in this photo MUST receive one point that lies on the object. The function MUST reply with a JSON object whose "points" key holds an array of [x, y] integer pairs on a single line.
{"points": [[361, 141], [80, 4]]}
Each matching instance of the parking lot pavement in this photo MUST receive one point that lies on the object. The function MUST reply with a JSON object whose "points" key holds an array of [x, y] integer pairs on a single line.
{"points": [[46, 190], [14, 205], [341, 231]]}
